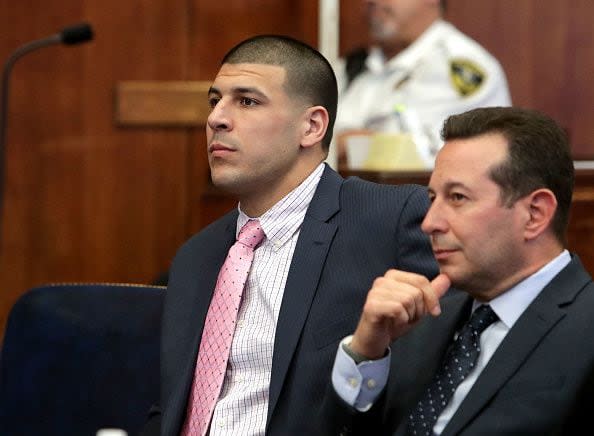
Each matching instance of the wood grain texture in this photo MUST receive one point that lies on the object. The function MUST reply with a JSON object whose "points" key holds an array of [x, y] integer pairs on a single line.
{"points": [[165, 103], [85, 199]]}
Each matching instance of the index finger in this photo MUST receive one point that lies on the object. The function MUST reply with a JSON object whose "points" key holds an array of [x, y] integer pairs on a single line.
{"points": [[411, 278]]}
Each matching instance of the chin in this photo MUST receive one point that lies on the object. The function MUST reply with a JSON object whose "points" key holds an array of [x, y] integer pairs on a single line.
{"points": [[222, 181], [457, 278]]}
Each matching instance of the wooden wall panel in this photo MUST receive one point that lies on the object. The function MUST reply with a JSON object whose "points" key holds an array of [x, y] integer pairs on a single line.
{"points": [[86, 200], [353, 27], [547, 50], [218, 26]]}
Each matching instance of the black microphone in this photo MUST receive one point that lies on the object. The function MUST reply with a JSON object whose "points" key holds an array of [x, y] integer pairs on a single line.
{"points": [[70, 35], [76, 34]]}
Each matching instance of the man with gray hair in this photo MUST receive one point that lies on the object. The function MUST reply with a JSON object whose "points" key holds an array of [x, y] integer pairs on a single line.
{"points": [[419, 70]]}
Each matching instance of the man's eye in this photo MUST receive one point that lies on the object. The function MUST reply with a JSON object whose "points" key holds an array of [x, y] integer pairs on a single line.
{"points": [[246, 101], [212, 102], [457, 197]]}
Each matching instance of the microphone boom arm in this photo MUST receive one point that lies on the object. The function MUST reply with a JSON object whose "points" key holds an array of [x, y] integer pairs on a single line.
{"points": [[70, 35], [18, 53]]}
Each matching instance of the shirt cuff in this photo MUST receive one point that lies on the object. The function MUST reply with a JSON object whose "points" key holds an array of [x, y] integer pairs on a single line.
{"points": [[359, 385]]}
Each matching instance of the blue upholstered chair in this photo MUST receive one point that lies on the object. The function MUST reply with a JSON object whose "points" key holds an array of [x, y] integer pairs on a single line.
{"points": [[76, 358]]}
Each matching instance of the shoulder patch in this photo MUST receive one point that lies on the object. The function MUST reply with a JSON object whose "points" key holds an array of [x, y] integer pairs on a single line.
{"points": [[466, 76]]}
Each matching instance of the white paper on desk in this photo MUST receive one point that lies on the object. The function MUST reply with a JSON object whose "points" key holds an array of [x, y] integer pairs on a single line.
{"points": [[357, 151]]}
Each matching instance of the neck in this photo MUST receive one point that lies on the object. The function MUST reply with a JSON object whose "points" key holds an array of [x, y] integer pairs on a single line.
{"points": [[535, 260], [258, 203], [392, 47]]}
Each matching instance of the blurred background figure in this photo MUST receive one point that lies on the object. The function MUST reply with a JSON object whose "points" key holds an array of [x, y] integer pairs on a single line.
{"points": [[418, 70]]}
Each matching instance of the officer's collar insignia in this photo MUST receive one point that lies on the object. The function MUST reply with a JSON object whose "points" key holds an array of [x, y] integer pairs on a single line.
{"points": [[466, 76]]}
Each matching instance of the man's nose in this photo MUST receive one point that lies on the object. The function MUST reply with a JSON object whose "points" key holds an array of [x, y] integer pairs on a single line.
{"points": [[219, 118], [434, 220]]}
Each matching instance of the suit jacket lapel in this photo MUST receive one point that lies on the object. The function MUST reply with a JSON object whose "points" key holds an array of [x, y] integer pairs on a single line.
{"points": [[208, 264], [540, 317], [308, 261]]}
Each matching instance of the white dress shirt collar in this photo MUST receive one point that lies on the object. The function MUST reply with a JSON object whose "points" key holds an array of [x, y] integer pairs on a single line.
{"points": [[407, 58], [510, 305], [278, 231]]}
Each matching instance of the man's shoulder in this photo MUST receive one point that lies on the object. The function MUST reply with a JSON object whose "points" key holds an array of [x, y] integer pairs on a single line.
{"points": [[371, 199], [472, 68], [212, 231], [580, 295], [355, 186], [457, 44], [573, 283]]}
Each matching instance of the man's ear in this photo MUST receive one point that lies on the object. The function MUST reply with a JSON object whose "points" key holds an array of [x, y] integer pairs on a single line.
{"points": [[316, 120], [541, 206]]}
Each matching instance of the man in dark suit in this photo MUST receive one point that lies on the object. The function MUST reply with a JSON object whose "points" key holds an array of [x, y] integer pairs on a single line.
{"points": [[325, 239], [500, 199]]}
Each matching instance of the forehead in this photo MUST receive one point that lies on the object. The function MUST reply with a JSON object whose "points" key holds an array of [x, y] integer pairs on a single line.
{"points": [[401, 3], [468, 161], [263, 76], [393, 2]]}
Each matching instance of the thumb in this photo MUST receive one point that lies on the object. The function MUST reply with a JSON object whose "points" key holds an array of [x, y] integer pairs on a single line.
{"points": [[441, 284]]}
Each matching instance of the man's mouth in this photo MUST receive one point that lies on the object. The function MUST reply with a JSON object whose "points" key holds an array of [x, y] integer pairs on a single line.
{"points": [[219, 149], [443, 253]]}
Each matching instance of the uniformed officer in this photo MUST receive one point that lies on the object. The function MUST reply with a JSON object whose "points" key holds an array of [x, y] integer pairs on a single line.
{"points": [[420, 70]]}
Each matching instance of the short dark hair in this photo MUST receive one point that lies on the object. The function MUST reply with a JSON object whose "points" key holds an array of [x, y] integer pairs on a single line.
{"points": [[309, 74], [539, 155]]}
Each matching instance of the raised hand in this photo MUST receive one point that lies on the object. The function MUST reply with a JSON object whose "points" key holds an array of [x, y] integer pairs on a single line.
{"points": [[396, 302]]}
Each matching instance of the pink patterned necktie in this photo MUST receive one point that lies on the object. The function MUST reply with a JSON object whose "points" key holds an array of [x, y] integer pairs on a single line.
{"points": [[219, 327]]}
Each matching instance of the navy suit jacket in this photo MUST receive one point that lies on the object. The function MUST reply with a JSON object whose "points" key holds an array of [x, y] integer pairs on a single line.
{"points": [[353, 232], [540, 375]]}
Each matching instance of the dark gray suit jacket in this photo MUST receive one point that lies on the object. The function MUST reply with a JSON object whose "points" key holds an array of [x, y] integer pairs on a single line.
{"points": [[540, 374], [353, 232]]}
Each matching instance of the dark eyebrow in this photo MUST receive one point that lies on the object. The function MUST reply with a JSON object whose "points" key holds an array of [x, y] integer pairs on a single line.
{"points": [[452, 185], [248, 90], [448, 186], [239, 90], [213, 90]]}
